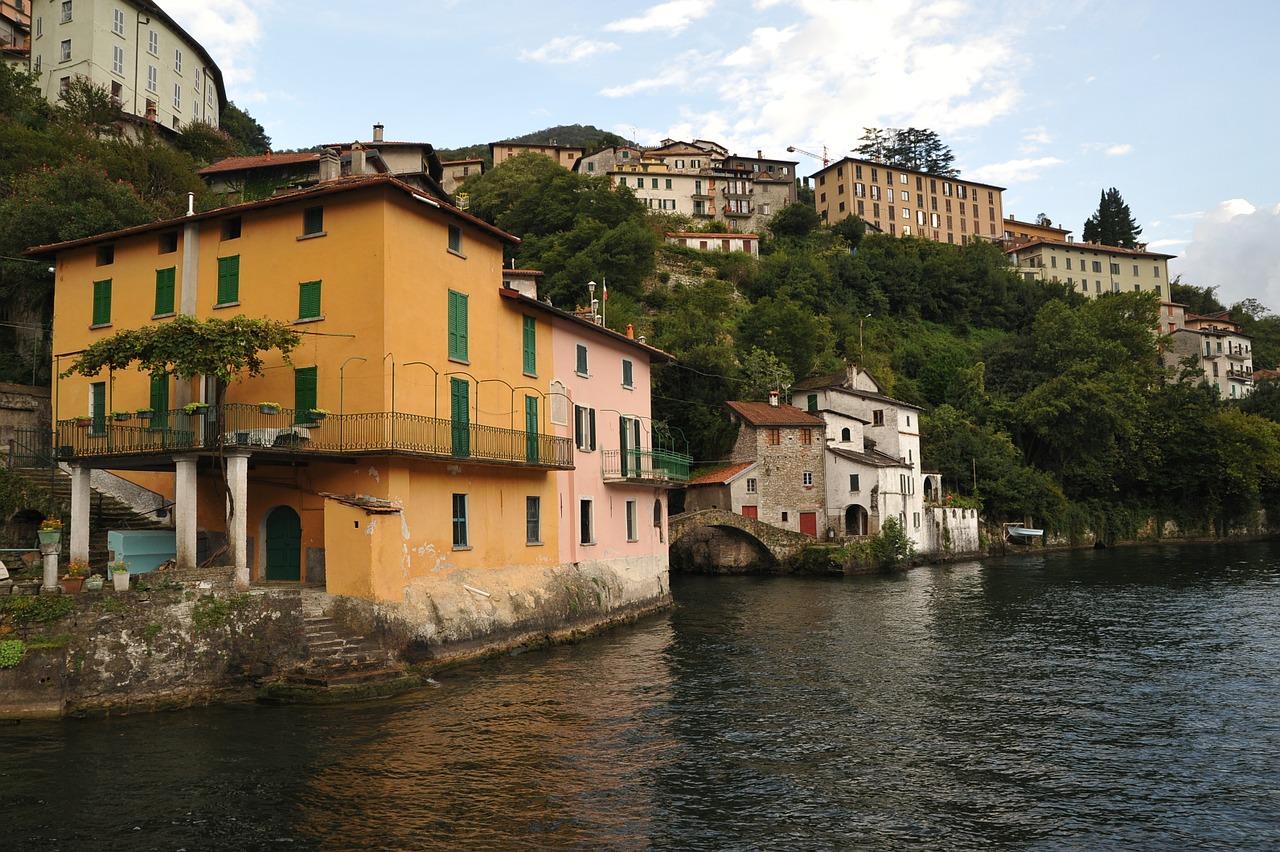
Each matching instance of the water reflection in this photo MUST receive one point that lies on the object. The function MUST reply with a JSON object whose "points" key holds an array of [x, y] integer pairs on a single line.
{"points": [[1061, 701]]}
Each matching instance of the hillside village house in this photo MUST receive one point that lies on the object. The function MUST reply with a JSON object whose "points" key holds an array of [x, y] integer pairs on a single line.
{"points": [[700, 179], [445, 476], [1222, 352], [776, 471], [153, 69], [721, 243], [1090, 269], [15, 32], [565, 155], [903, 202]]}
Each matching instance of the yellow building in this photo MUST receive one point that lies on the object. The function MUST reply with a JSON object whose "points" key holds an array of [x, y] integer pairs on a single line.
{"points": [[902, 202], [412, 459], [1091, 269], [566, 155]]}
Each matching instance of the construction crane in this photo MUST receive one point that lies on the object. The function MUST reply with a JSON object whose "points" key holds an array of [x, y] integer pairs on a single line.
{"points": [[826, 161]]}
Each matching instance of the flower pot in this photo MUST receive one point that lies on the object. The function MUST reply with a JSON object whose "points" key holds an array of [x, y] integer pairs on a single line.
{"points": [[49, 536], [121, 581], [121, 418], [94, 582], [72, 585], [269, 409], [317, 416], [146, 414]]}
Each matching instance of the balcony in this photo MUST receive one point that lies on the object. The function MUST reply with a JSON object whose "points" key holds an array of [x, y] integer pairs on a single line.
{"points": [[737, 214], [1238, 353], [1240, 375], [663, 468], [306, 434]]}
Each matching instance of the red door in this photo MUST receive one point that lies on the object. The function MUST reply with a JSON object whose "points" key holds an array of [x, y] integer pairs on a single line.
{"points": [[750, 512], [809, 523]]}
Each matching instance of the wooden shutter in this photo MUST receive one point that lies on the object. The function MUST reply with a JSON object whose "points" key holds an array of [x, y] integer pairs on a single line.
{"points": [[460, 416], [159, 400], [309, 300], [530, 346], [457, 326], [228, 279], [304, 393], [102, 302], [531, 429], [164, 290], [628, 373]]}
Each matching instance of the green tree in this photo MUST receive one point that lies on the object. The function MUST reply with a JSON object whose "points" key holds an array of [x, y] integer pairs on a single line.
{"points": [[851, 229], [910, 148], [1199, 300], [1112, 224], [795, 220], [86, 106], [248, 135]]}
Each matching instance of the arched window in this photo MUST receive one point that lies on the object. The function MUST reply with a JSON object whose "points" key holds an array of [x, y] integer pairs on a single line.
{"points": [[846, 435]]}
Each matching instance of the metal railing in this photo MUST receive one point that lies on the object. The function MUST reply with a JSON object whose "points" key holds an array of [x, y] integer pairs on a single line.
{"points": [[307, 433], [646, 466]]}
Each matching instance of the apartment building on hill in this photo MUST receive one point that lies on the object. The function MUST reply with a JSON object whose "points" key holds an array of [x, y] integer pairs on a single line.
{"points": [[154, 70], [1091, 269], [902, 202]]}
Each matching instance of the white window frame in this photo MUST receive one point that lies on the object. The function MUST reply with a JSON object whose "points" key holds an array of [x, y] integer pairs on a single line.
{"points": [[153, 80], [465, 520], [533, 519], [587, 535], [66, 11], [64, 50], [117, 59], [153, 42], [177, 60], [177, 96], [751, 485], [117, 21]]}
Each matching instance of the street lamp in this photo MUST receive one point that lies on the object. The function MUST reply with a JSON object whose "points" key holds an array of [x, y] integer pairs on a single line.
{"points": [[435, 387], [342, 379]]}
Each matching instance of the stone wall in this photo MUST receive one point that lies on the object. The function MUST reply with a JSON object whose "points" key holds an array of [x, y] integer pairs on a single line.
{"points": [[950, 531], [23, 407]]}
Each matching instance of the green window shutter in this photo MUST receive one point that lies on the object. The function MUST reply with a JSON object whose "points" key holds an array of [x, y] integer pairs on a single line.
{"points": [[628, 373], [309, 300], [164, 290], [581, 366], [304, 393], [313, 220], [98, 406], [622, 443], [460, 416], [159, 400], [102, 302], [228, 279], [531, 428], [457, 326], [530, 346], [591, 417]]}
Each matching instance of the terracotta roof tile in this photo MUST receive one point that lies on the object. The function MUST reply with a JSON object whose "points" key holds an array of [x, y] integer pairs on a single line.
{"points": [[721, 475], [234, 164], [764, 414]]}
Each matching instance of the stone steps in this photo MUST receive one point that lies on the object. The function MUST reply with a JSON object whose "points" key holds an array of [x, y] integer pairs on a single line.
{"points": [[105, 512]]}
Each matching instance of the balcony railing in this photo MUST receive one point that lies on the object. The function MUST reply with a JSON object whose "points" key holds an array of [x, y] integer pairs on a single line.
{"points": [[648, 467], [1238, 353], [1240, 375], [308, 433]]}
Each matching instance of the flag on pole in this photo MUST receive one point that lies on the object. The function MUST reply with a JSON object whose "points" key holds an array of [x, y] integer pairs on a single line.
{"points": [[606, 290]]}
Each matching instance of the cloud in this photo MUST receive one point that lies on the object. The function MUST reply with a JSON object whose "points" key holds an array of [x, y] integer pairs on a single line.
{"points": [[229, 30], [1012, 172], [834, 68], [1236, 246], [559, 51], [1119, 150], [672, 17], [674, 76]]}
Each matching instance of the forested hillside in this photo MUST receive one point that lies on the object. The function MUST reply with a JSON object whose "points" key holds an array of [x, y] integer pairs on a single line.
{"points": [[1038, 403]]}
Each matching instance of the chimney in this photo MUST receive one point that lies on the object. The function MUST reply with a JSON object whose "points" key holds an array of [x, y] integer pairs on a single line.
{"points": [[773, 398], [357, 160], [377, 133], [330, 165], [631, 332]]}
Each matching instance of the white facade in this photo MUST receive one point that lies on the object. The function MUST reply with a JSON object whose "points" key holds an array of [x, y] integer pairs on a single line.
{"points": [[151, 67]]}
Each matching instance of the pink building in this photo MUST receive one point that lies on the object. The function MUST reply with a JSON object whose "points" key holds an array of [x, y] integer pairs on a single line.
{"points": [[613, 503]]}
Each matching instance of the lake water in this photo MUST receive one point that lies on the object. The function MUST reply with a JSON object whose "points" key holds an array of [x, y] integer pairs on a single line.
{"points": [[1097, 700]]}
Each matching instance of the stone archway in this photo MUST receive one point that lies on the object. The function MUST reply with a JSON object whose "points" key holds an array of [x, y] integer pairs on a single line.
{"points": [[855, 520]]}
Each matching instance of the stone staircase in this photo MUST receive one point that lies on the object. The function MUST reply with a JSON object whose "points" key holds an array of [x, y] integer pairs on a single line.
{"points": [[343, 667], [105, 512]]}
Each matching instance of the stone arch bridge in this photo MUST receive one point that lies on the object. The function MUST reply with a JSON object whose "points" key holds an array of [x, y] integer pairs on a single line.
{"points": [[720, 541]]}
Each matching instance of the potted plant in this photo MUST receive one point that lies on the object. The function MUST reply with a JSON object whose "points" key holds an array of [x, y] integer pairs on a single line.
{"points": [[73, 580], [196, 409], [269, 407], [50, 531], [145, 413], [82, 420], [122, 416], [119, 575], [315, 415], [94, 583]]}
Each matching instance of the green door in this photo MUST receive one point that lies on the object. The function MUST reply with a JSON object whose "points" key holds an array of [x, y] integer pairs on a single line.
{"points": [[531, 429], [284, 544]]}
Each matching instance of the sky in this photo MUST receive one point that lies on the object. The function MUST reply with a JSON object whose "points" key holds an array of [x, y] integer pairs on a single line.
{"points": [[1172, 102]]}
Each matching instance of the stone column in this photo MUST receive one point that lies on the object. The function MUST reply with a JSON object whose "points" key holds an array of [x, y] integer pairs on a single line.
{"points": [[184, 509], [80, 500], [49, 565], [238, 515]]}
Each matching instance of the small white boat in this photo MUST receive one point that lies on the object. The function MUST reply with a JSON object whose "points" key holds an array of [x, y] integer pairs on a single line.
{"points": [[1020, 534]]}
